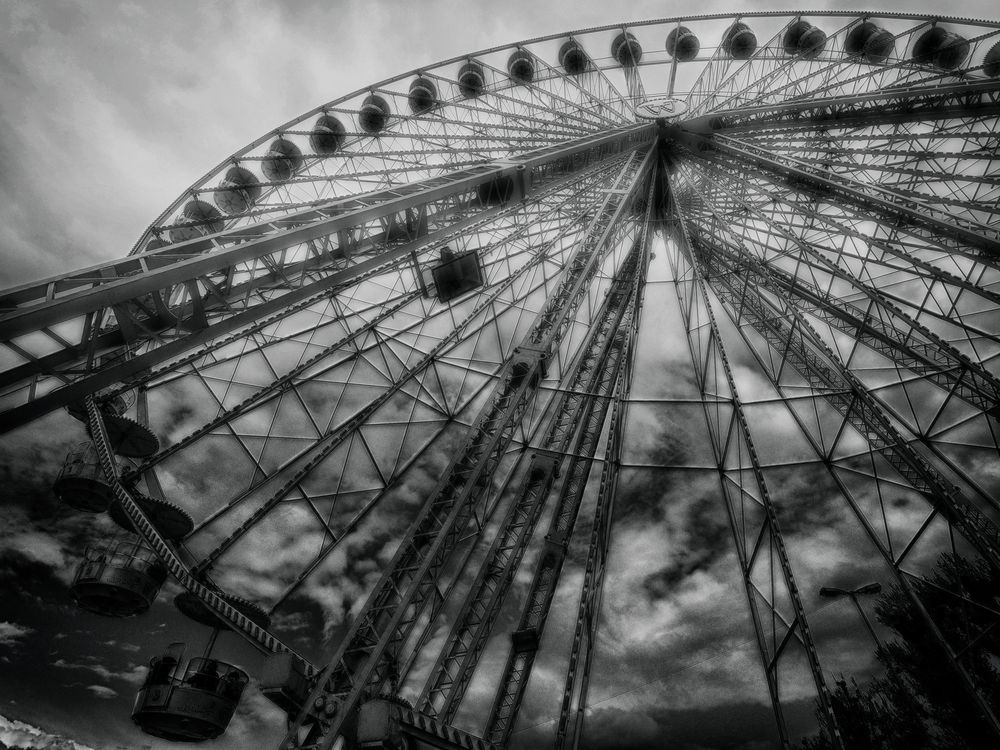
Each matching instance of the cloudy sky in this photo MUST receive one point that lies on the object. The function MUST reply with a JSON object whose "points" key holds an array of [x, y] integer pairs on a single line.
{"points": [[109, 111]]}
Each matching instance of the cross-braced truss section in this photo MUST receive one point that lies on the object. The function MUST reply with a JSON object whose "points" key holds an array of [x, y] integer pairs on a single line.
{"points": [[538, 392]]}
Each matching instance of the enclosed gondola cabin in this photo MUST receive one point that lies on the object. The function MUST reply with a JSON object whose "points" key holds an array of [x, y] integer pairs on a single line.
{"points": [[471, 80], [81, 483], [521, 66], [941, 48], [455, 275], [196, 703], [192, 704], [626, 50], [197, 219], [869, 42], [374, 115], [682, 44], [573, 58], [423, 95], [739, 42], [283, 159], [120, 578], [238, 191], [804, 40], [328, 135]]}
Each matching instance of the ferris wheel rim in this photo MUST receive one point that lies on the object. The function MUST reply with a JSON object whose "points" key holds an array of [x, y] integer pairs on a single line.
{"points": [[161, 222]]}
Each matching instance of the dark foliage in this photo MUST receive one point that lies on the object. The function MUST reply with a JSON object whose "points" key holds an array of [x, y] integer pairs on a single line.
{"points": [[921, 701]]}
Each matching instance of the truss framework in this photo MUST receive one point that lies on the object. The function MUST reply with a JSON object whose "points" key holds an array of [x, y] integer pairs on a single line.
{"points": [[840, 210]]}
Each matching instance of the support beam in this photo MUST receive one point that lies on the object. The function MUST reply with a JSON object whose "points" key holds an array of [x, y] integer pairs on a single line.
{"points": [[951, 233], [750, 510], [965, 99], [784, 330], [228, 615], [368, 652], [881, 324], [584, 402], [178, 297], [783, 327]]}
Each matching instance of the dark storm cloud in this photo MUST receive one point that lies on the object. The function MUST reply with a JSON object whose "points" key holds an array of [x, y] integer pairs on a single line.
{"points": [[40, 535], [64, 663], [625, 729], [711, 533], [802, 497]]}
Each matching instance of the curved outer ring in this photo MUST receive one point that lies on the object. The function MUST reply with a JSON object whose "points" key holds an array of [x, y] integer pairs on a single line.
{"points": [[198, 185]]}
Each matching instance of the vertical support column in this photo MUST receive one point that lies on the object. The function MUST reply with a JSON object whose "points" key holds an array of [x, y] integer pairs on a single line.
{"points": [[366, 652], [788, 334], [581, 408], [570, 724], [736, 497]]}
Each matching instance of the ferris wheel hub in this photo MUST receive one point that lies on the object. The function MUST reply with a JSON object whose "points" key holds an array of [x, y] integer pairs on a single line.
{"points": [[661, 108]]}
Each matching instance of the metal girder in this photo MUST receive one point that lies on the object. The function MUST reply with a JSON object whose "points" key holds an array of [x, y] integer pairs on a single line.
{"points": [[179, 296], [335, 437], [914, 347], [801, 348], [881, 325], [365, 657], [784, 331], [538, 600], [967, 99], [388, 724], [906, 260], [736, 428], [517, 232], [588, 610], [44, 302], [961, 235], [591, 380], [228, 615]]}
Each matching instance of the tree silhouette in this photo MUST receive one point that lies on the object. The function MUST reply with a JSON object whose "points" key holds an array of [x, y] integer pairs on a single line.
{"points": [[921, 701]]}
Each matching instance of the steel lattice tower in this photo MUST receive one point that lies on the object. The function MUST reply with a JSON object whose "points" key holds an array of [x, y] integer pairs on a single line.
{"points": [[430, 315]]}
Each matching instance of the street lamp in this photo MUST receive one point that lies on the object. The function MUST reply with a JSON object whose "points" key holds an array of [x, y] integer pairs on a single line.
{"points": [[869, 588]]}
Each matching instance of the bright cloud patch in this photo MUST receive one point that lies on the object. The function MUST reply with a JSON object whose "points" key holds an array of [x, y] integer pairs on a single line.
{"points": [[133, 675], [39, 547], [18, 734], [102, 691], [11, 634]]}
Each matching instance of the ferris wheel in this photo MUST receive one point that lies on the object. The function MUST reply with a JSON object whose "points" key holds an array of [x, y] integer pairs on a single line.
{"points": [[424, 366]]}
